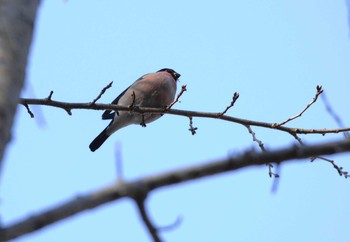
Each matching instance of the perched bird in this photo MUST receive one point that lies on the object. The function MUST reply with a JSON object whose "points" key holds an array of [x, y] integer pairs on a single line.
{"points": [[151, 90]]}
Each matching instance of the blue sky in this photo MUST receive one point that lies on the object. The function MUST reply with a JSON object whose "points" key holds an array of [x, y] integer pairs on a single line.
{"points": [[273, 53]]}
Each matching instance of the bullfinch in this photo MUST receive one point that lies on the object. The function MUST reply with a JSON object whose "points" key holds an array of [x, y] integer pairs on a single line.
{"points": [[155, 90]]}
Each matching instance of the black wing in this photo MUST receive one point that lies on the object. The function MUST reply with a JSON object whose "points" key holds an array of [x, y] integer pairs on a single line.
{"points": [[109, 114]]}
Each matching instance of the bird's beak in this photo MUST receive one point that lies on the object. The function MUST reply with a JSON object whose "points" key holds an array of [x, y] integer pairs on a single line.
{"points": [[176, 75]]}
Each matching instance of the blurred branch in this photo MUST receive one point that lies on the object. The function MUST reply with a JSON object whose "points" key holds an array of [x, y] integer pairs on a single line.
{"points": [[140, 202], [17, 21], [333, 114], [96, 106], [131, 189]]}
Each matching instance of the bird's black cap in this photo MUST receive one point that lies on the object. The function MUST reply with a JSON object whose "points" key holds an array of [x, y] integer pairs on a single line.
{"points": [[171, 72]]}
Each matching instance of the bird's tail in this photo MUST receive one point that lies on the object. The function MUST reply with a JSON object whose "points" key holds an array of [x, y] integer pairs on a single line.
{"points": [[99, 140]]}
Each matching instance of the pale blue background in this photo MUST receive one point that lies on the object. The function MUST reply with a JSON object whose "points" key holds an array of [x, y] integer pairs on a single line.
{"points": [[273, 53]]}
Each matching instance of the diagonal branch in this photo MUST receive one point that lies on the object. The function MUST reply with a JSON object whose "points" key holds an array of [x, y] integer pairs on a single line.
{"points": [[129, 189], [333, 114], [183, 89], [146, 220], [262, 147], [102, 92], [319, 91], [233, 101]]}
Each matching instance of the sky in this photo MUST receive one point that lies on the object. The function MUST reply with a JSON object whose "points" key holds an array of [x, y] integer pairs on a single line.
{"points": [[274, 53]]}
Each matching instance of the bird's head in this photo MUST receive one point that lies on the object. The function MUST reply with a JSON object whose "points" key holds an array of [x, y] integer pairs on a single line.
{"points": [[173, 73]]}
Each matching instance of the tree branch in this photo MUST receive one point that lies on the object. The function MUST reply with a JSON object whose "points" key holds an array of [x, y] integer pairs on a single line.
{"points": [[140, 202], [333, 114], [149, 183], [233, 101], [262, 147], [183, 89], [319, 91], [96, 106], [16, 29], [102, 92]]}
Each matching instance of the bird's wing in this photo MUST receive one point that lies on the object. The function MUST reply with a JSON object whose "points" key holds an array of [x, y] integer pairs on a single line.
{"points": [[109, 114]]}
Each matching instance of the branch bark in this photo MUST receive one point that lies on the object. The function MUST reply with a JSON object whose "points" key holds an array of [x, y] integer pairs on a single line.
{"points": [[145, 185], [16, 30], [245, 122]]}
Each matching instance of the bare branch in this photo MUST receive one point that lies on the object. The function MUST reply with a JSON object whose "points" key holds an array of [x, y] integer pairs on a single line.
{"points": [[129, 189], [297, 138], [133, 95], [339, 169], [259, 142], [262, 147], [146, 220], [69, 111], [172, 226], [28, 110], [183, 89], [102, 92], [140, 199], [96, 106], [234, 99], [319, 90], [333, 114], [192, 129], [49, 98], [143, 123], [119, 161]]}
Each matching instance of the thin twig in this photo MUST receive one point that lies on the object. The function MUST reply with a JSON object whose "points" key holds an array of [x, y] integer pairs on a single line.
{"points": [[133, 95], [119, 161], [259, 142], [262, 147], [28, 110], [192, 129], [297, 138], [319, 91], [101, 93], [49, 98], [143, 122], [171, 226], [234, 99], [276, 181], [333, 114], [339, 169], [69, 111], [183, 89]]}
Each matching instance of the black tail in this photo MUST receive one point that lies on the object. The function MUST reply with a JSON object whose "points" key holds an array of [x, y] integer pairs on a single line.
{"points": [[99, 140]]}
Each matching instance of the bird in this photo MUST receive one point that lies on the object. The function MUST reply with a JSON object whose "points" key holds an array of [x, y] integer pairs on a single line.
{"points": [[155, 90]]}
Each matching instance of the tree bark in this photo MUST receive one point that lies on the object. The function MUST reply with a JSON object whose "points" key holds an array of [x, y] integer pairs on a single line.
{"points": [[16, 30]]}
